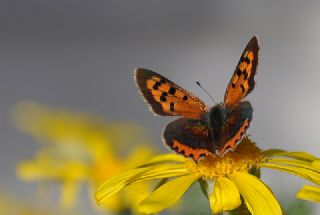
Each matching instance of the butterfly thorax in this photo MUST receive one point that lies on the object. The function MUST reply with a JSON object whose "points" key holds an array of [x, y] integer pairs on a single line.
{"points": [[215, 119], [216, 116]]}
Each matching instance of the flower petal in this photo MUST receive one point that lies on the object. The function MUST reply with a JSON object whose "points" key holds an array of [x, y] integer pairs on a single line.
{"points": [[272, 152], [115, 184], [167, 194], [225, 196], [308, 174], [258, 197], [304, 156], [164, 158], [70, 191], [316, 164], [293, 163], [118, 182], [163, 171], [310, 193]]}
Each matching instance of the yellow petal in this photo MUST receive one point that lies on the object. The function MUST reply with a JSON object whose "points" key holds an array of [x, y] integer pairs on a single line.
{"points": [[308, 174], [225, 196], [292, 162], [164, 171], [258, 197], [134, 194], [301, 155], [272, 152], [115, 184], [167, 194], [164, 158], [297, 155], [31, 171], [69, 194], [316, 164], [118, 182], [310, 193], [114, 204]]}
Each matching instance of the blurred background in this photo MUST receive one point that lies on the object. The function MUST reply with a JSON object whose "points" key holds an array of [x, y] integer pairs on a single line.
{"points": [[79, 55]]}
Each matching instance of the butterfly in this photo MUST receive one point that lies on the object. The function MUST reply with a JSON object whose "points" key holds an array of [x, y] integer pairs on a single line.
{"points": [[202, 131]]}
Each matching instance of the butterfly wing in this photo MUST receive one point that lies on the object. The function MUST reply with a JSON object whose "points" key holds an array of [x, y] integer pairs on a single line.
{"points": [[236, 124], [242, 81], [167, 98], [189, 137]]}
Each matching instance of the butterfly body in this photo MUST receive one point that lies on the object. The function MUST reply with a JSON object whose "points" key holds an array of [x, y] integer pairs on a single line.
{"points": [[203, 131]]}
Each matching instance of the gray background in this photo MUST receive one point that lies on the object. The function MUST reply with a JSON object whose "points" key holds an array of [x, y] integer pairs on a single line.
{"points": [[81, 55]]}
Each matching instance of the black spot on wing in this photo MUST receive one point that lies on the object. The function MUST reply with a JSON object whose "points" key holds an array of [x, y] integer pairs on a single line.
{"points": [[163, 98], [172, 90], [239, 72], [156, 85], [171, 106], [242, 88], [245, 75]]}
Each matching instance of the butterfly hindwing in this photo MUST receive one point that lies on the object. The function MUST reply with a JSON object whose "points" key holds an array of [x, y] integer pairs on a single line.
{"points": [[236, 124], [189, 137], [167, 98], [242, 81]]}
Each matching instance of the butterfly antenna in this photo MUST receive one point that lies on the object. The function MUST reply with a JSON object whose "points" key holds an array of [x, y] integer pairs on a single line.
{"points": [[198, 83]]}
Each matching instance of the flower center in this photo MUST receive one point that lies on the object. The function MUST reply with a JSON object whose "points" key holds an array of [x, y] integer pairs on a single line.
{"points": [[244, 157]]}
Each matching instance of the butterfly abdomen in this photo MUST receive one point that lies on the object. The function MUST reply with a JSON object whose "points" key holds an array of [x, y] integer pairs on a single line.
{"points": [[216, 121]]}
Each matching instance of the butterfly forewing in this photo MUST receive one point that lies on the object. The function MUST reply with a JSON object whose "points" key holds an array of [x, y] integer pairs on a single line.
{"points": [[189, 137], [242, 81], [167, 98]]}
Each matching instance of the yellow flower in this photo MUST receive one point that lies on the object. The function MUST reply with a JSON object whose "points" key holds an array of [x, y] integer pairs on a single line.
{"points": [[12, 205], [79, 148], [311, 192], [223, 179], [66, 128], [46, 167]]}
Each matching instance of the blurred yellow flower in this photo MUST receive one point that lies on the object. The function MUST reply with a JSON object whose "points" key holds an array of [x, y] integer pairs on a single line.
{"points": [[223, 179], [81, 148], [10, 205]]}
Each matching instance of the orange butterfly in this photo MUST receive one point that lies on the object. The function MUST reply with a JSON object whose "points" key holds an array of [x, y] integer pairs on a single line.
{"points": [[202, 131]]}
